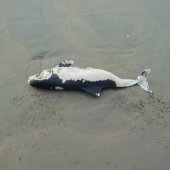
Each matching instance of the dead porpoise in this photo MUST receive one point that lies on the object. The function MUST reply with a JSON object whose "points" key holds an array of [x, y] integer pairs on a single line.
{"points": [[91, 80]]}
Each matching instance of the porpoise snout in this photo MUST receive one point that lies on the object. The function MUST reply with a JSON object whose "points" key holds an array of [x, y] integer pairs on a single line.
{"points": [[31, 78]]}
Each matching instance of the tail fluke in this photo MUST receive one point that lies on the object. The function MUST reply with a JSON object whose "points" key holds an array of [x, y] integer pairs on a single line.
{"points": [[142, 78]]}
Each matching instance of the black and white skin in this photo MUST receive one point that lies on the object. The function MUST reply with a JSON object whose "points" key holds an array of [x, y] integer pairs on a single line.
{"points": [[90, 80]]}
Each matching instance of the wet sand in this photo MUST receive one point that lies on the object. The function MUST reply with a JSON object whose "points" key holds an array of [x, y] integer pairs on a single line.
{"points": [[125, 129]]}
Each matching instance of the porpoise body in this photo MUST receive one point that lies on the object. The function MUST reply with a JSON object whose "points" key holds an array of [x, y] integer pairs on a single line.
{"points": [[91, 80]]}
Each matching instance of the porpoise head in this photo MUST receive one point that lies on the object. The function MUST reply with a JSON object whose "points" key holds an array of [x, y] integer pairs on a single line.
{"points": [[41, 80]]}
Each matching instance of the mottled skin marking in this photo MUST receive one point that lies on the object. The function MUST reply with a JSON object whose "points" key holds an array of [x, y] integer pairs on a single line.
{"points": [[54, 81]]}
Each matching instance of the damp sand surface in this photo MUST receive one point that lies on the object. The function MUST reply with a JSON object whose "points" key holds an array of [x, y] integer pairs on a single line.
{"points": [[124, 129]]}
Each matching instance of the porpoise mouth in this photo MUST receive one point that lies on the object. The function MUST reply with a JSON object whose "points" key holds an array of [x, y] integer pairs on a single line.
{"points": [[32, 78], [45, 74]]}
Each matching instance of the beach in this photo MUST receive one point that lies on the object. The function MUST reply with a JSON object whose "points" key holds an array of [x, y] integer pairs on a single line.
{"points": [[123, 129]]}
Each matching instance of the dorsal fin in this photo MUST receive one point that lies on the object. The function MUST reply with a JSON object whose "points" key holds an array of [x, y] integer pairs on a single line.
{"points": [[94, 90], [66, 63]]}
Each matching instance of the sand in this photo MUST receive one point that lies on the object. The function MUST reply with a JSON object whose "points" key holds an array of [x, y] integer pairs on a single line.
{"points": [[124, 129]]}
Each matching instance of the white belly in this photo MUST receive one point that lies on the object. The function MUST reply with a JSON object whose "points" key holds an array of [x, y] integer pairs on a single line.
{"points": [[87, 74]]}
